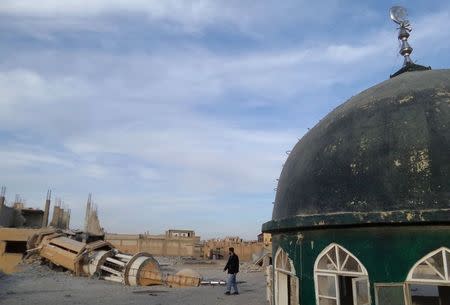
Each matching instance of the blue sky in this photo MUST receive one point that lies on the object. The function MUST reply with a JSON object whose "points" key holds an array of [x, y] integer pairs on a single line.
{"points": [[178, 114]]}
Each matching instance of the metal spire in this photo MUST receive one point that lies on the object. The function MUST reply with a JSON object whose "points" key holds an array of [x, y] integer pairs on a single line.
{"points": [[398, 15]]}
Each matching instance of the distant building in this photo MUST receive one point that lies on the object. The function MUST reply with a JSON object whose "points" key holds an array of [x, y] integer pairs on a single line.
{"points": [[246, 250], [172, 243], [180, 233], [18, 223], [265, 238]]}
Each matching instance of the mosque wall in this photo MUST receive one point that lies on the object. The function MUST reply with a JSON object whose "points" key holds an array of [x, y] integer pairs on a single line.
{"points": [[388, 253]]}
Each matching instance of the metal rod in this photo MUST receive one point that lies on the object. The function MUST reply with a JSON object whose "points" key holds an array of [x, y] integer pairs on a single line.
{"points": [[124, 256], [115, 261], [111, 270]]}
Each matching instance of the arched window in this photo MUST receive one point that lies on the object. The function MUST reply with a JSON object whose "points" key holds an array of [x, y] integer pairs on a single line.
{"points": [[434, 267], [283, 263], [286, 281], [428, 280], [340, 278]]}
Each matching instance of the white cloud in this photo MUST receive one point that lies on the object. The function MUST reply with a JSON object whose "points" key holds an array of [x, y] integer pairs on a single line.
{"points": [[33, 101], [195, 10], [18, 86], [94, 171], [148, 173], [205, 157], [190, 15], [14, 159]]}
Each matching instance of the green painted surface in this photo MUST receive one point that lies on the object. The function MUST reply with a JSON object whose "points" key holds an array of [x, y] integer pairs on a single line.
{"points": [[388, 253]]}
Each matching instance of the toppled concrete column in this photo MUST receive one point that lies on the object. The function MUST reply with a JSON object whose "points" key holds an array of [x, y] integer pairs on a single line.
{"points": [[140, 269], [183, 278], [98, 258], [46, 209]]}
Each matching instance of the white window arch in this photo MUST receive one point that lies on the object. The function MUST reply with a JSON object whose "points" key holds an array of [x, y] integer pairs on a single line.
{"points": [[429, 279], [432, 268], [286, 280], [335, 266], [283, 263]]}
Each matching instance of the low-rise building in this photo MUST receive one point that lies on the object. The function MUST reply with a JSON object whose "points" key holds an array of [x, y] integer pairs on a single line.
{"points": [[173, 243]]}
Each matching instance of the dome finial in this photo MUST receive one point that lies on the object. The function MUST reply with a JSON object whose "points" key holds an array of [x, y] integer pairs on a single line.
{"points": [[398, 15]]}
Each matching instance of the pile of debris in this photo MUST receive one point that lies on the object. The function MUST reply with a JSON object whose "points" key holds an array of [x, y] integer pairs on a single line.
{"points": [[260, 262], [101, 260]]}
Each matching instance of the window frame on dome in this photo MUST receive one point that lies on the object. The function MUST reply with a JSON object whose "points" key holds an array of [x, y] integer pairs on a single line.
{"points": [[357, 276]]}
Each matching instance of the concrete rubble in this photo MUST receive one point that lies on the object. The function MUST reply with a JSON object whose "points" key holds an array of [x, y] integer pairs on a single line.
{"points": [[100, 259], [43, 237], [18, 222], [37, 284]]}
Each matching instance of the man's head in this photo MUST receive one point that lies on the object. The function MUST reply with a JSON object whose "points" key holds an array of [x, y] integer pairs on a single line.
{"points": [[231, 250]]}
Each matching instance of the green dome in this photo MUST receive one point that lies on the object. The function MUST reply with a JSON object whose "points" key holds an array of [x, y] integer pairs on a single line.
{"points": [[381, 157]]}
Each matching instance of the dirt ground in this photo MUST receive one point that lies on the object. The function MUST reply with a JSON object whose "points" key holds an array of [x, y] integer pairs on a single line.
{"points": [[38, 285]]}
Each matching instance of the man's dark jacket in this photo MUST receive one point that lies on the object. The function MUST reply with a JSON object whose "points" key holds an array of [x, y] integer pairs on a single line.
{"points": [[232, 265]]}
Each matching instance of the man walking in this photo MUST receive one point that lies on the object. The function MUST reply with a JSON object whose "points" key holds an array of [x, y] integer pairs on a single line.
{"points": [[233, 268]]}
